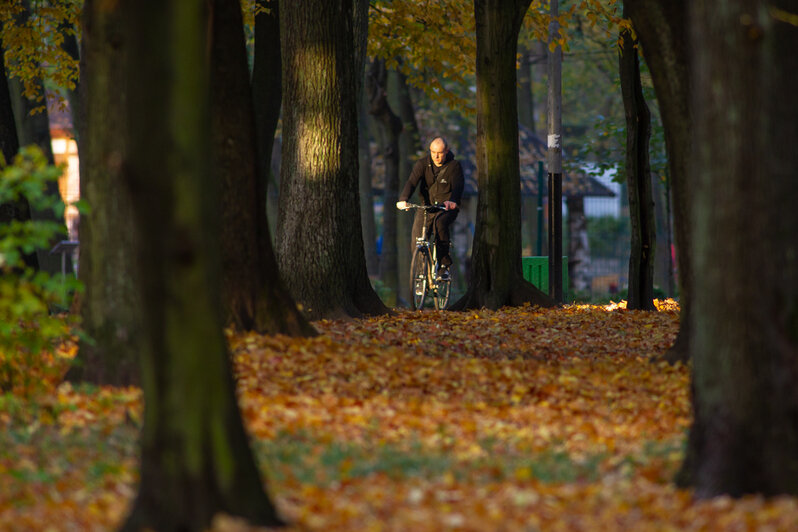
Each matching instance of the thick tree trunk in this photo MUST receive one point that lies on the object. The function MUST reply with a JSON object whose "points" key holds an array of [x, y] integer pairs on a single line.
{"points": [[661, 26], [638, 179], [253, 296], [744, 438], [391, 126], [234, 156], [111, 307], [320, 247], [195, 459], [496, 278], [409, 147]]}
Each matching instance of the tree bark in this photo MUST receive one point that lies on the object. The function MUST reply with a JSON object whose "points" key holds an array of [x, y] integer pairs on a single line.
{"points": [[365, 188], [638, 179], [320, 247], [744, 437], [253, 296], [496, 278], [195, 457], [661, 26], [391, 125], [110, 307], [9, 141], [578, 245], [35, 129], [663, 263], [267, 84], [72, 47], [409, 146], [526, 118], [9, 146], [526, 100]]}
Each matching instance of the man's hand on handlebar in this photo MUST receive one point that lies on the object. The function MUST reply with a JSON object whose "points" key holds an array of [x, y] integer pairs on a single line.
{"points": [[445, 206]]}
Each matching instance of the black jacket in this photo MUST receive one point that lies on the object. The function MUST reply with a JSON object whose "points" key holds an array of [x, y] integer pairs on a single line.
{"points": [[447, 187]]}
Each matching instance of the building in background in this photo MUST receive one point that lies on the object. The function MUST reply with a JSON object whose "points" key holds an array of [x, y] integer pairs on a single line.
{"points": [[65, 153]]}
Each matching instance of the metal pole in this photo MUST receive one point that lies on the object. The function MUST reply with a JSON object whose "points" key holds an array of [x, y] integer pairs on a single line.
{"points": [[63, 278], [539, 239], [554, 158]]}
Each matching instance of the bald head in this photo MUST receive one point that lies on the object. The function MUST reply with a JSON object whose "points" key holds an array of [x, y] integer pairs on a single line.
{"points": [[438, 150]]}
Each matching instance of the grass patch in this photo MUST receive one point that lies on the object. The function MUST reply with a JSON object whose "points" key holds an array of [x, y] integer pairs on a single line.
{"points": [[312, 461], [43, 454]]}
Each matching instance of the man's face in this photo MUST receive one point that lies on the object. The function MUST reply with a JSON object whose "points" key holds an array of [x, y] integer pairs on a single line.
{"points": [[438, 152]]}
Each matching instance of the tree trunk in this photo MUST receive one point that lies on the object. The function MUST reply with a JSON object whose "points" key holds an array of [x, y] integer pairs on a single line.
{"points": [[663, 263], [496, 278], [578, 245], [267, 89], [526, 100], [409, 146], [661, 26], [110, 307], [360, 23], [638, 179], [35, 129], [9, 146], [320, 248], [71, 46], [526, 118], [360, 27], [744, 437], [391, 125], [253, 297], [195, 458], [9, 142], [365, 188]]}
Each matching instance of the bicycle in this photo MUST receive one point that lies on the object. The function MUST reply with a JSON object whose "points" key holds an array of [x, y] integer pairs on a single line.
{"points": [[424, 267]]}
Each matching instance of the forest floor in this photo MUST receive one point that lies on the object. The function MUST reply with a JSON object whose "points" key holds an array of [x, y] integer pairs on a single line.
{"points": [[520, 419]]}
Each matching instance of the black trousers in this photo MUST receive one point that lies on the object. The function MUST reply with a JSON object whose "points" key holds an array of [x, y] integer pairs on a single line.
{"points": [[438, 222]]}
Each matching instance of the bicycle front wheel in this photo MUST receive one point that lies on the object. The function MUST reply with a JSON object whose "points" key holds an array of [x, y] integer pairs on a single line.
{"points": [[441, 294], [419, 284]]}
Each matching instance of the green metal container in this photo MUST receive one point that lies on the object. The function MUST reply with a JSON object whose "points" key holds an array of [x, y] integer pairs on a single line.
{"points": [[536, 271]]}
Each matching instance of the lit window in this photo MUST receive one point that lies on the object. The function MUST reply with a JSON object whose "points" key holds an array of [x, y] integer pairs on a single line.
{"points": [[59, 146]]}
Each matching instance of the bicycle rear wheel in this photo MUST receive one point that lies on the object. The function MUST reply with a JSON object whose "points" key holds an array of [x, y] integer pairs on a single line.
{"points": [[441, 293], [419, 284]]}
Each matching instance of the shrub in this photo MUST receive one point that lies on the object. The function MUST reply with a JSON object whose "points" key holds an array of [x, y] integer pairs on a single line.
{"points": [[30, 331]]}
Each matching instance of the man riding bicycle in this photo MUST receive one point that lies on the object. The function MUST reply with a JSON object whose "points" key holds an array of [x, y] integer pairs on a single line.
{"points": [[441, 180]]}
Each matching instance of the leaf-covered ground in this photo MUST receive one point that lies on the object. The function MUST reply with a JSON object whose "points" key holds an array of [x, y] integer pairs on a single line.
{"points": [[520, 419]]}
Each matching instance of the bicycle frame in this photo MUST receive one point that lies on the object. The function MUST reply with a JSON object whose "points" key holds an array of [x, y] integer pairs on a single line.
{"points": [[427, 281]]}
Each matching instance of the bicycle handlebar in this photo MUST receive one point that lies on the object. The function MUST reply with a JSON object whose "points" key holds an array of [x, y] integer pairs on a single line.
{"points": [[425, 207]]}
